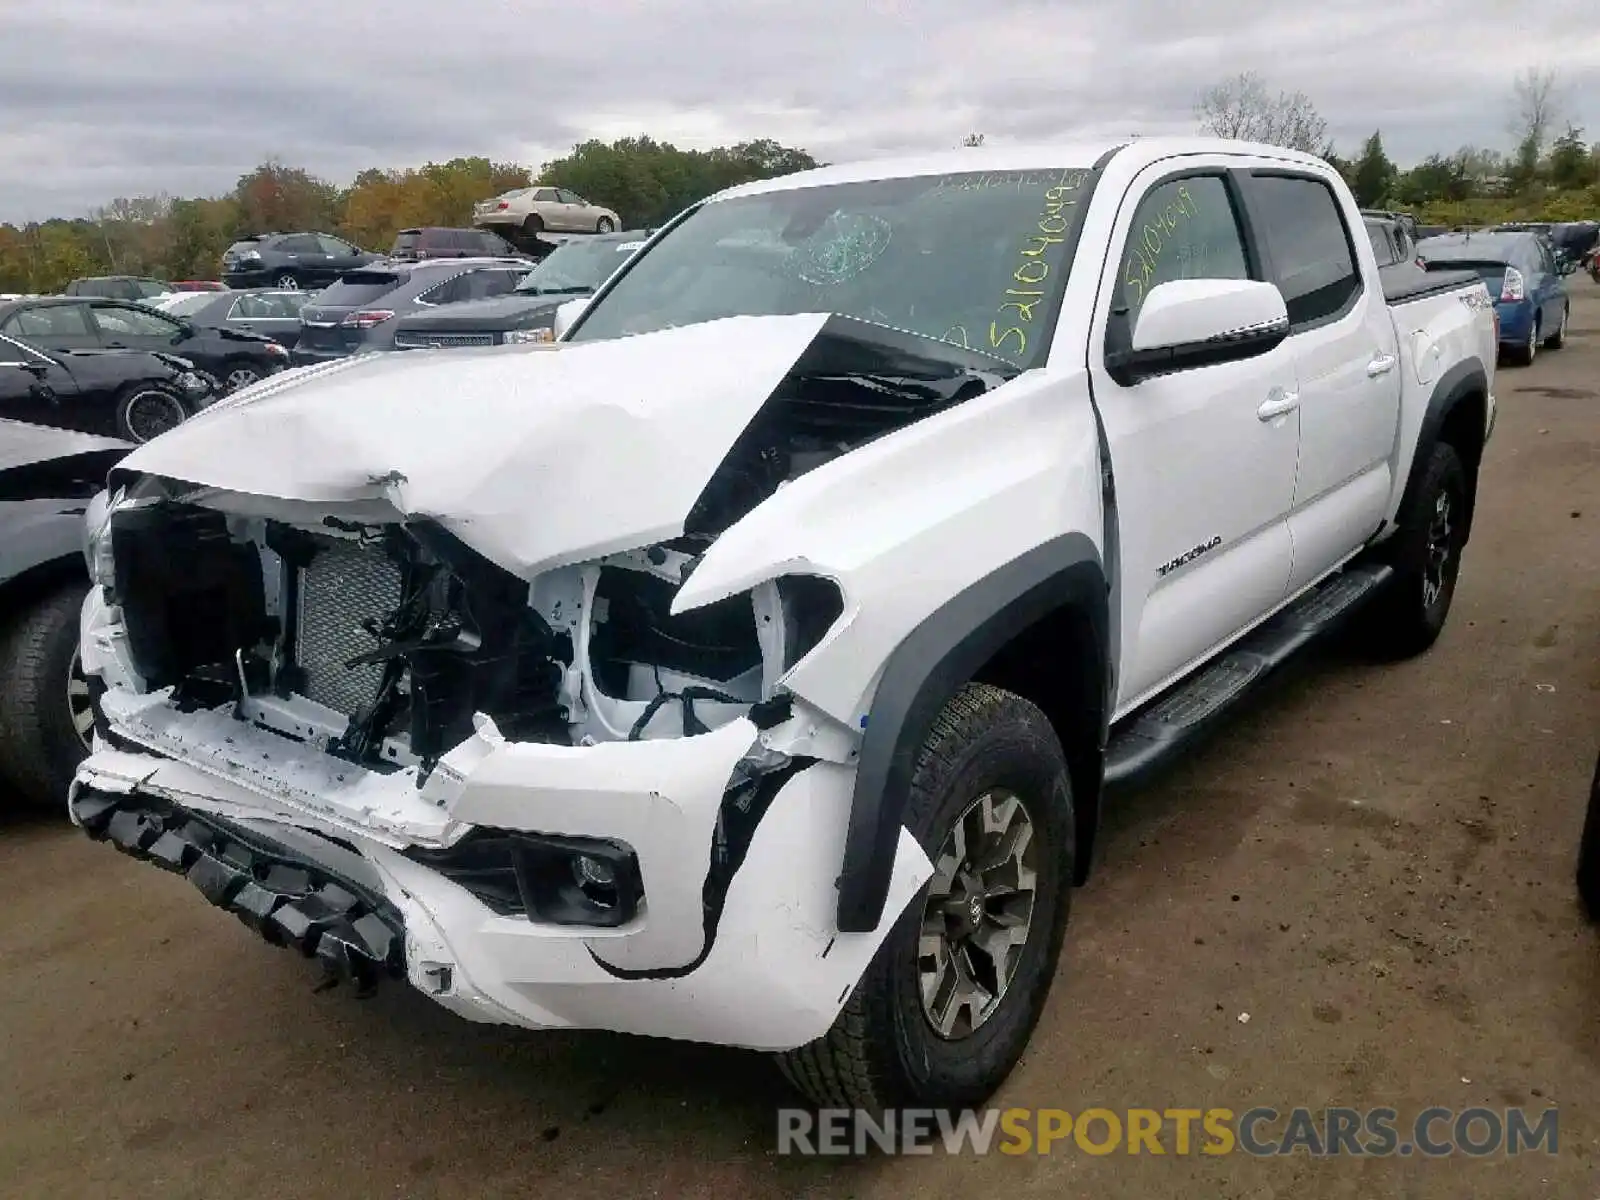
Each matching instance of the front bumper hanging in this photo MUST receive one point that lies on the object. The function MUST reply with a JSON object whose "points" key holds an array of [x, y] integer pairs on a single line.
{"points": [[359, 938]]}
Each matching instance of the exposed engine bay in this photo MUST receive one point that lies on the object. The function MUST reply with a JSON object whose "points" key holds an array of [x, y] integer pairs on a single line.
{"points": [[377, 641]]}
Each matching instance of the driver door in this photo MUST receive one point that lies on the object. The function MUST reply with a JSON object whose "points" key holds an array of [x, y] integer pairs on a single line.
{"points": [[1203, 463]]}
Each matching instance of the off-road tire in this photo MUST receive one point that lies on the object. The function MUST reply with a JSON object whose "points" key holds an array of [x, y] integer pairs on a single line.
{"points": [[1589, 851], [1558, 339], [1401, 623], [39, 748], [881, 1051]]}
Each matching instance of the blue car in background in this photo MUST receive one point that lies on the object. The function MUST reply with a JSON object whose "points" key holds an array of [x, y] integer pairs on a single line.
{"points": [[1523, 279]]}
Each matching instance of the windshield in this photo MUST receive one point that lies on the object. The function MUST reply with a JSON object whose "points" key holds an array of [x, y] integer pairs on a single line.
{"points": [[578, 267], [978, 259]]}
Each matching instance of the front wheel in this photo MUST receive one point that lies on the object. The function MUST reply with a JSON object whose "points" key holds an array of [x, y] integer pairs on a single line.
{"points": [[147, 411], [1425, 552], [949, 1002], [45, 710], [604, 225], [1558, 339], [240, 375]]}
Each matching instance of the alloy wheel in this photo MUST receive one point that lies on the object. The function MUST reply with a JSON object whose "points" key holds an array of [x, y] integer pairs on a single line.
{"points": [[152, 413], [978, 914]]}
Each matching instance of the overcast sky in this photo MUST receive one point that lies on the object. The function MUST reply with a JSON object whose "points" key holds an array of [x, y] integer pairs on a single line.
{"points": [[106, 98]]}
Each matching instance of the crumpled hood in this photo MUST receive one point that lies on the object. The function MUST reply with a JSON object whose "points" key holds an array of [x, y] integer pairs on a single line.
{"points": [[533, 456]]}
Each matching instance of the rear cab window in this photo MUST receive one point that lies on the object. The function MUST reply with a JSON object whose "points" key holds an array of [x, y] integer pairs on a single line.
{"points": [[1308, 243]]}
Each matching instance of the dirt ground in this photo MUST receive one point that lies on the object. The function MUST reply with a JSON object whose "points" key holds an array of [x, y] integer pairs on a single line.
{"points": [[1376, 866]]}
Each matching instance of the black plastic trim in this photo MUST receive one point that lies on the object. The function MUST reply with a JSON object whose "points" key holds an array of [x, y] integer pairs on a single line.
{"points": [[357, 934], [921, 675], [1405, 286], [1466, 378]]}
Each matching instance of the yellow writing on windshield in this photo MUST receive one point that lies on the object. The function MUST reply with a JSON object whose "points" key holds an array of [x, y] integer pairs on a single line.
{"points": [[1016, 315], [1149, 243]]}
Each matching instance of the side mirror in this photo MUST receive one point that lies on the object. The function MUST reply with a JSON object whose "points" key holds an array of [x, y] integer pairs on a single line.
{"points": [[1190, 323], [567, 314]]}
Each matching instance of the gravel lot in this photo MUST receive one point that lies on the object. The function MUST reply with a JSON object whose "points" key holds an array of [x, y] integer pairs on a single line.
{"points": [[1375, 865]]}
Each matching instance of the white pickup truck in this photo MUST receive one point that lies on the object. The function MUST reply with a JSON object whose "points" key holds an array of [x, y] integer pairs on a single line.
{"points": [[750, 665]]}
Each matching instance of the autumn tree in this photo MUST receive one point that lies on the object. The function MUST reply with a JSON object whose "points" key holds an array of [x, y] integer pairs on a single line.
{"points": [[1243, 108], [1572, 165], [275, 199]]}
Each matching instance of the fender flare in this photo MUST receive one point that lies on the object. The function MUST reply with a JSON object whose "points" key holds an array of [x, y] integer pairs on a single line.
{"points": [[1466, 378], [941, 654]]}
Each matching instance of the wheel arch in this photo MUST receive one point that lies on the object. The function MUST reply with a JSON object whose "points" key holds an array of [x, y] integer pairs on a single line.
{"points": [[1038, 626], [1457, 415]]}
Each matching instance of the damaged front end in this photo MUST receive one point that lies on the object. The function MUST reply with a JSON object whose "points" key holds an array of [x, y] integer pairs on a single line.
{"points": [[543, 796]]}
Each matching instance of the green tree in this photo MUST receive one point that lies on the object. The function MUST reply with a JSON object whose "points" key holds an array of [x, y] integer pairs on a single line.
{"points": [[1572, 166], [1373, 173]]}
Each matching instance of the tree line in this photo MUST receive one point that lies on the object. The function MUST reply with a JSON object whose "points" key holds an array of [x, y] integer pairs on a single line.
{"points": [[1547, 175], [1550, 173], [166, 237]]}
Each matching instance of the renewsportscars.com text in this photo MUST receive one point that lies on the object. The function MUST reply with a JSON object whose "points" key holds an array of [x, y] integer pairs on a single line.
{"points": [[1258, 1132]]}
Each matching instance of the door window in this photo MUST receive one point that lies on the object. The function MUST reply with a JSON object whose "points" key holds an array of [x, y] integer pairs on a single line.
{"points": [[1312, 260], [50, 321], [567, 197], [448, 292], [1183, 229], [480, 285], [132, 322], [301, 243], [333, 246]]}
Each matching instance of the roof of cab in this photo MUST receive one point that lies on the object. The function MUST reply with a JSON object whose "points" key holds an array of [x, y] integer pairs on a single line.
{"points": [[1030, 157]]}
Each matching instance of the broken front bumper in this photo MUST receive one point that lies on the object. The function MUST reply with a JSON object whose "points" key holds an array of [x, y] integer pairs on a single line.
{"points": [[752, 959]]}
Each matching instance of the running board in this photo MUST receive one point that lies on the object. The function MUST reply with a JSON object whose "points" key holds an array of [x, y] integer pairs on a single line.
{"points": [[1174, 723]]}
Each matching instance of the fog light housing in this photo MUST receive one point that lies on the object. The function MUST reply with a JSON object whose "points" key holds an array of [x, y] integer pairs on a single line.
{"points": [[578, 881]]}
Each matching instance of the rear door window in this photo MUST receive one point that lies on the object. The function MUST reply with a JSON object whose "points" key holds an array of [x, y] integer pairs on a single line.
{"points": [[447, 292], [1313, 263], [300, 243]]}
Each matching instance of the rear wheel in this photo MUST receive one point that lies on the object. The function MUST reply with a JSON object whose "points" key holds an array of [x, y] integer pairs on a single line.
{"points": [[1526, 354], [1558, 339], [533, 225], [948, 1004], [147, 411], [1589, 851], [287, 281], [239, 375], [1425, 552], [45, 709], [604, 225]]}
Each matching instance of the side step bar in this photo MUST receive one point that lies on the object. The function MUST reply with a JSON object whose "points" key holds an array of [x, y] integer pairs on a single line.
{"points": [[1172, 725]]}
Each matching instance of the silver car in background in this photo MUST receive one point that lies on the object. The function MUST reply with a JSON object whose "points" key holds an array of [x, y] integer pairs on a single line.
{"points": [[533, 210]]}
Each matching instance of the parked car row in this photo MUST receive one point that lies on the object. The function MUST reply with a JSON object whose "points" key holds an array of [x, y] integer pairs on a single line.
{"points": [[1524, 278]]}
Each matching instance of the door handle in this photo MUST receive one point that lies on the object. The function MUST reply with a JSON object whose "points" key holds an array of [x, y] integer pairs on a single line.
{"points": [[1381, 365], [1283, 402]]}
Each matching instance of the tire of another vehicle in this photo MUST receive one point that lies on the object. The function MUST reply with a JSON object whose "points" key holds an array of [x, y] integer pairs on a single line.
{"points": [[1558, 339], [533, 224], [1425, 553], [1526, 354], [1589, 851], [40, 746], [604, 225], [287, 281], [146, 410], [987, 748], [238, 374]]}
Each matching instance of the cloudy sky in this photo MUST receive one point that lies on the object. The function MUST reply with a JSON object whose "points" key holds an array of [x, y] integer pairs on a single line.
{"points": [[106, 98]]}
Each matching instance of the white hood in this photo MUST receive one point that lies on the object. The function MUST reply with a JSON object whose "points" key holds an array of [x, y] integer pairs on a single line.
{"points": [[533, 457]]}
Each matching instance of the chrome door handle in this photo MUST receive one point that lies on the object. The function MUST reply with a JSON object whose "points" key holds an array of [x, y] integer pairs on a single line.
{"points": [[1381, 365], [1278, 405]]}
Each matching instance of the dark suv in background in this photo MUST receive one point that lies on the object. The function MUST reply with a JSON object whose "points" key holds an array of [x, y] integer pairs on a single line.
{"points": [[290, 261], [359, 312], [118, 287], [438, 242]]}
